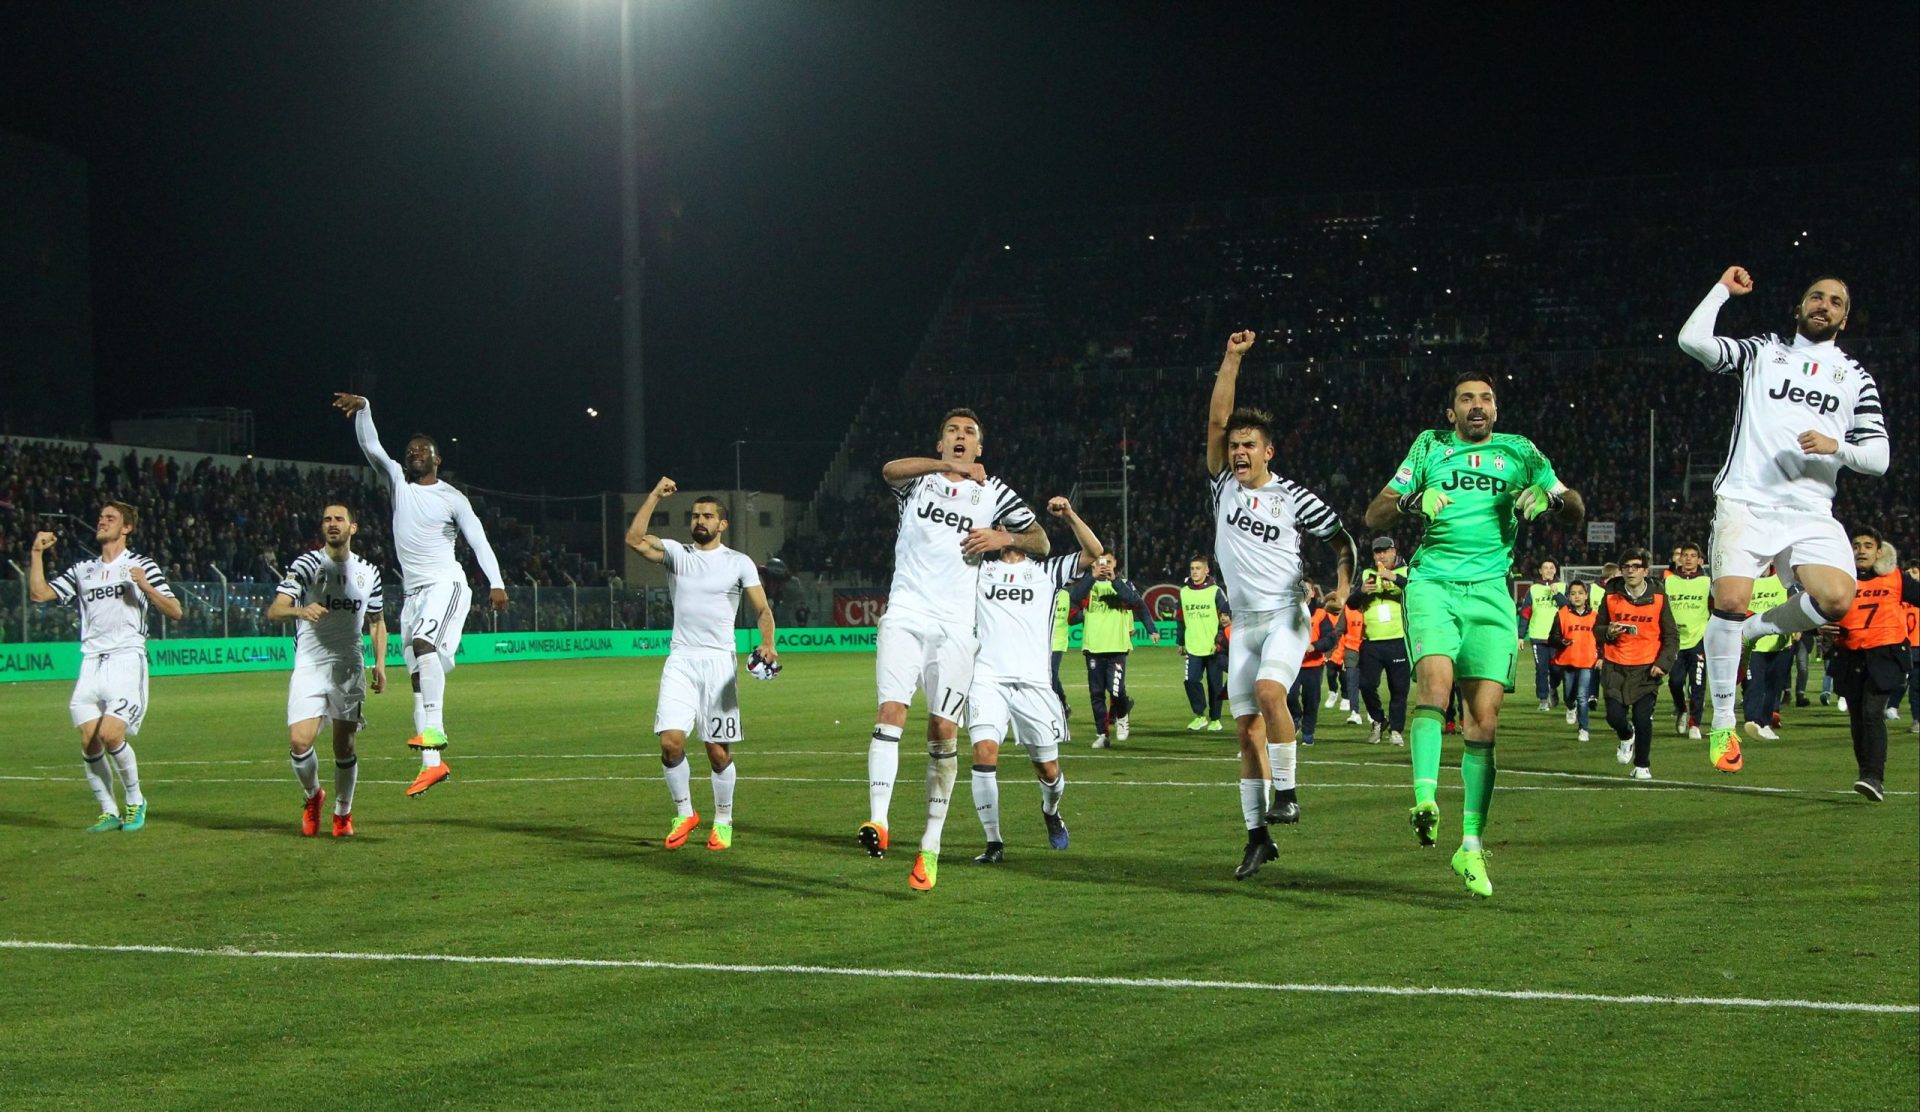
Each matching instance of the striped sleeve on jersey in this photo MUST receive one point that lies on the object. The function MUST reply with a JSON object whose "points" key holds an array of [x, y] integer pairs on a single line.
{"points": [[1736, 356], [1062, 569], [1314, 515], [1218, 484], [1869, 423], [905, 490], [377, 597], [156, 578], [66, 585], [1008, 509], [299, 576]]}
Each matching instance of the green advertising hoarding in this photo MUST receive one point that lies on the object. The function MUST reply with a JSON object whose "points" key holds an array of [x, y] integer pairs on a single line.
{"points": [[275, 654]]}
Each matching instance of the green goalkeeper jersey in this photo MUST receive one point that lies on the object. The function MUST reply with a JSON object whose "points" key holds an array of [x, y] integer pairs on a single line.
{"points": [[1472, 538]]}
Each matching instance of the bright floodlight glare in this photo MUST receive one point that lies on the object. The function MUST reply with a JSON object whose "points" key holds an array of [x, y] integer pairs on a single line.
{"points": [[592, 412]]}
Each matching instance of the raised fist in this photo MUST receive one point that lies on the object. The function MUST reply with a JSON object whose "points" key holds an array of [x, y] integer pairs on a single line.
{"points": [[1239, 342], [1737, 280], [1059, 507], [665, 487], [43, 541]]}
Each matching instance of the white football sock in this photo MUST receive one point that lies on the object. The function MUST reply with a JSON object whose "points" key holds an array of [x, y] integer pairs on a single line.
{"points": [[722, 794], [1796, 615], [1050, 793], [129, 773], [100, 779], [1723, 667], [429, 758], [1253, 803], [1281, 758], [346, 774], [883, 765], [941, 773], [986, 799], [307, 767], [679, 785], [419, 714], [433, 691]]}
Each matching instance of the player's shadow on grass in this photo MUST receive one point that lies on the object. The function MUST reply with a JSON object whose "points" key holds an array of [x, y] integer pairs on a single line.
{"points": [[1283, 880], [29, 820], [251, 824]]}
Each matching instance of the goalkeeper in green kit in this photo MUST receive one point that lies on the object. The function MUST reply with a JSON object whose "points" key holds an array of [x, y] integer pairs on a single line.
{"points": [[1467, 483]]}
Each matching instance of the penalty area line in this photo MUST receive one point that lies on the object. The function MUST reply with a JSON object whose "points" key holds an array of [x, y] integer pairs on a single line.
{"points": [[1151, 983]]}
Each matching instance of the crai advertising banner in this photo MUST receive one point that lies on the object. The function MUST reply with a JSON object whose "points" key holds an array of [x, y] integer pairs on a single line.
{"points": [[61, 661]]}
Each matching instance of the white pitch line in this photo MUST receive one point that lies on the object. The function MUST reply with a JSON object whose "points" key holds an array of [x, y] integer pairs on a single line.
{"points": [[988, 978], [1609, 784]]}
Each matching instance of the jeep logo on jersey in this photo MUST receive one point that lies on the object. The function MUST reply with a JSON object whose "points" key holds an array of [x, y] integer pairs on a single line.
{"points": [[1247, 523], [960, 522], [95, 594], [1817, 400], [343, 604], [997, 593], [1460, 480]]}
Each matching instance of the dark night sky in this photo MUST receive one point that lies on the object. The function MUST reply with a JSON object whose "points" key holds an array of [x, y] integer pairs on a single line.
{"points": [[279, 188]]}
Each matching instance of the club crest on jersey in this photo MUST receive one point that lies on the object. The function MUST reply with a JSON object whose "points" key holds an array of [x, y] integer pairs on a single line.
{"points": [[1499, 463]]}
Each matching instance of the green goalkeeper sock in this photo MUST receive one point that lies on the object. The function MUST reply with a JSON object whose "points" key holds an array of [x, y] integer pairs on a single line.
{"points": [[1423, 736], [1476, 772]]}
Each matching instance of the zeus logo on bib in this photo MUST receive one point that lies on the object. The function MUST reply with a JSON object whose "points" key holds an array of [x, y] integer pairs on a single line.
{"points": [[1817, 400], [1245, 522], [960, 522], [1461, 480], [1010, 594]]}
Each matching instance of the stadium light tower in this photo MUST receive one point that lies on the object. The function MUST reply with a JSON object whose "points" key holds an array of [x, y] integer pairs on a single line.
{"points": [[633, 266]]}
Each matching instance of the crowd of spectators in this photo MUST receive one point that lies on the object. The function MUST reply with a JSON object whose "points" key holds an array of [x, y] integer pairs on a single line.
{"points": [[1518, 268], [1073, 334], [201, 520], [1341, 430]]}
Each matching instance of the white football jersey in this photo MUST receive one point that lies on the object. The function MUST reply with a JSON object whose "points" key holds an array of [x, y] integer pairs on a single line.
{"points": [[1787, 388], [426, 519], [1015, 618], [1256, 538], [352, 593], [706, 587], [113, 612], [936, 514]]}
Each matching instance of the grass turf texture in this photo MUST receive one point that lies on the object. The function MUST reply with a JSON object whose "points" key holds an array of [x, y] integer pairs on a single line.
{"points": [[1677, 888]]}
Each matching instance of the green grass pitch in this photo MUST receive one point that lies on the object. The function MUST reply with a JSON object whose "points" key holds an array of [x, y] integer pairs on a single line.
{"points": [[545, 844]]}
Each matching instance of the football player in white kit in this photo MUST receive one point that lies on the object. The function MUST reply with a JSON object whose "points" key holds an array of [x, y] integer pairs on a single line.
{"points": [[113, 593], [1013, 678], [330, 593], [700, 685], [427, 514], [1258, 521], [951, 515], [1805, 411]]}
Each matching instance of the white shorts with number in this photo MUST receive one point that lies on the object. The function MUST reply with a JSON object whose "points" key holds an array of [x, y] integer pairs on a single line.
{"points": [[111, 686], [1032, 711], [336, 690], [1746, 538], [1264, 645], [916, 652], [436, 613], [700, 694]]}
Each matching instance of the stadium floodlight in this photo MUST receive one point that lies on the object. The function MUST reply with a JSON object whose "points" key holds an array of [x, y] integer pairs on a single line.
{"points": [[592, 412]]}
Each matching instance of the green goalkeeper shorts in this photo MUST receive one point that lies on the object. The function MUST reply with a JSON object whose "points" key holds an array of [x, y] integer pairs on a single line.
{"points": [[1472, 624]]}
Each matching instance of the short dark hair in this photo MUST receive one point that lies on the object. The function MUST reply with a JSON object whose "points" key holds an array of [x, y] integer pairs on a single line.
{"points": [[962, 411], [1639, 554], [1692, 546], [351, 516], [1819, 278], [718, 505], [1247, 417], [1469, 376], [431, 442], [1867, 531]]}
